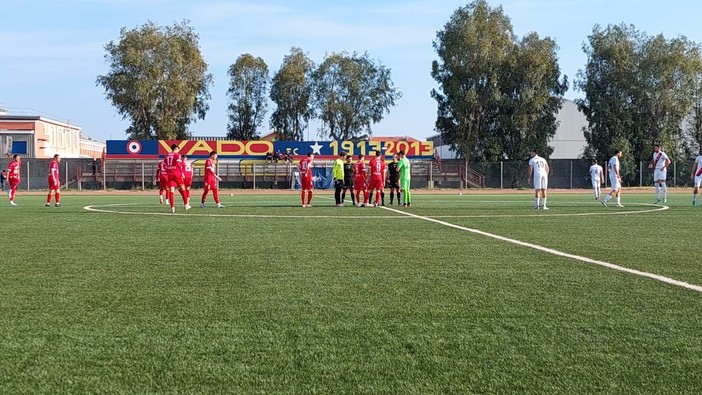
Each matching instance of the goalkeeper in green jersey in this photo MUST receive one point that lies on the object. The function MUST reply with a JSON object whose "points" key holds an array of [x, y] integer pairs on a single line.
{"points": [[403, 166]]}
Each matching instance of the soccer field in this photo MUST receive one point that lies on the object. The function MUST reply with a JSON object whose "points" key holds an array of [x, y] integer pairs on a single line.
{"points": [[264, 296]]}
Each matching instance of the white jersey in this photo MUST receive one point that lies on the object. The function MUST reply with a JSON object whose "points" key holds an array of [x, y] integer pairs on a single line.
{"points": [[659, 159], [539, 165], [596, 172], [613, 162], [698, 163]]}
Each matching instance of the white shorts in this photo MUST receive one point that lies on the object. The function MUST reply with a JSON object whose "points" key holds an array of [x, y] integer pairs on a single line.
{"points": [[698, 181], [660, 175], [616, 184], [596, 182], [540, 182]]}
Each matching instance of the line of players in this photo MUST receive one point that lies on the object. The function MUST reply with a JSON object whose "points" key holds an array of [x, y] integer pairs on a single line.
{"points": [[361, 179], [175, 171]]}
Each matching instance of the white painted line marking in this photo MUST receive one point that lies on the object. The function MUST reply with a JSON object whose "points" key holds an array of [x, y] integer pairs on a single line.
{"points": [[635, 272]]}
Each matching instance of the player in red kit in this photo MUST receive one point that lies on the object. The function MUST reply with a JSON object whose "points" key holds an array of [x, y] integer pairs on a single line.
{"points": [[211, 179], [305, 167], [188, 175], [377, 177], [54, 181], [13, 177], [359, 180], [162, 175], [174, 168]]}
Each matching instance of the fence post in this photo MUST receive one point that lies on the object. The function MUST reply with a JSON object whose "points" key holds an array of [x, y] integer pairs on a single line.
{"points": [[28, 162], [640, 173], [104, 176], [571, 174], [143, 186], [431, 175], [253, 168], [675, 174], [465, 180], [66, 177], [502, 174]]}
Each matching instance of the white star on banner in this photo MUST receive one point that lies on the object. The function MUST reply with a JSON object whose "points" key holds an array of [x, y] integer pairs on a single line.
{"points": [[316, 148]]}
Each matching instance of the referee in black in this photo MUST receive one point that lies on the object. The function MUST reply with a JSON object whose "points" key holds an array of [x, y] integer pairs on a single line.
{"points": [[348, 180], [393, 179]]}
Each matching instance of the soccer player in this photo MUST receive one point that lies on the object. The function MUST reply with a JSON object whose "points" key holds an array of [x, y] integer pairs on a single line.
{"points": [[162, 175], [659, 163], [615, 180], [13, 178], [377, 177], [187, 175], [174, 168], [359, 180], [393, 177], [210, 181], [596, 176], [305, 167], [348, 180], [404, 167], [696, 175], [338, 174], [538, 167], [54, 181]]}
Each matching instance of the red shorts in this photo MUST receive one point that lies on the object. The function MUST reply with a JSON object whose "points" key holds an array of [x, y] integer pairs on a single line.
{"points": [[54, 185], [163, 181], [14, 182], [188, 181], [306, 183], [376, 183], [359, 184], [175, 180], [210, 185]]}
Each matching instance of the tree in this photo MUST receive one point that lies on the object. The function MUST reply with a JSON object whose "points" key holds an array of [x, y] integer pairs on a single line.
{"points": [[157, 79], [351, 93], [291, 91], [248, 97], [637, 93], [694, 121], [497, 95]]}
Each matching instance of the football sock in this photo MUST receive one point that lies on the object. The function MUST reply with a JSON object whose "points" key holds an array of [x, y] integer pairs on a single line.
{"points": [[48, 198], [658, 191], [619, 200], [665, 190], [536, 202], [343, 195], [302, 197], [309, 197], [58, 197], [382, 196], [544, 202], [215, 194], [204, 197], [392, 195]]}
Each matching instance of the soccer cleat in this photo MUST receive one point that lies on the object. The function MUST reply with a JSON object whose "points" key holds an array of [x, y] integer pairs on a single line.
{"points": [[202, 205], [603, 203], [188, 207], [658, 200], [160, 200], [536, 207], [665, 201], [620, 205], [546, 208], [341, 205], [309, 205], [12, 203], [173, 210], [219, 206], [47, 205], [304, 205], [409, 204], [58, 205], [363, 205]]}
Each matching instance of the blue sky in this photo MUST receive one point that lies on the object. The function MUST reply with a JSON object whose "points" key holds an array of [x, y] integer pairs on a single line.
{"points": [[52, 51]]}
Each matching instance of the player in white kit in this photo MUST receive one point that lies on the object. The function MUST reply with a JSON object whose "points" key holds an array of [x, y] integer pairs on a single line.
{"points": [[597, 177], [539, 168], [659, 163], [696, 175], [615, 179]]}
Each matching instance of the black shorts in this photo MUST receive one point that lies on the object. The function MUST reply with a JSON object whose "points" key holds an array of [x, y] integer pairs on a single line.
{"points": [[393, 184], [348, 183]]}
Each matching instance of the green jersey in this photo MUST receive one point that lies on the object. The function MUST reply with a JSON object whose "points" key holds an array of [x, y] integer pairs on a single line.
{"points": [[404, 167], [338, 171]]}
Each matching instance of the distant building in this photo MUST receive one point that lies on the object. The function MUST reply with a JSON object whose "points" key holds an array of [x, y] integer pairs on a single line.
{"points": [[38, 136], [568, 143]]}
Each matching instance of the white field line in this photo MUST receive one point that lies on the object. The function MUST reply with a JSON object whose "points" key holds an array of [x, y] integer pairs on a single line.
{"points": [[656, 277]]}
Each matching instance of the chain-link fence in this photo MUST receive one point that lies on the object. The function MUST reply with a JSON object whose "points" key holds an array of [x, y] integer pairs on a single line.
{"points": [[79, 174]]}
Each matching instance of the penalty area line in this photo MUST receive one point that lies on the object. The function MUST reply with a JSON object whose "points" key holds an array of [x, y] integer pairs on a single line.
{"points": [[551, 251]]}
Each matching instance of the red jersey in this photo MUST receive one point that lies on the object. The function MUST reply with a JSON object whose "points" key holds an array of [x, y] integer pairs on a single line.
{"points": [[305, 167], [209, 171], [54, 171], [13, 171], [174, 164], [188, 169], [359, 170], [377, 168], [162, 168]]}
